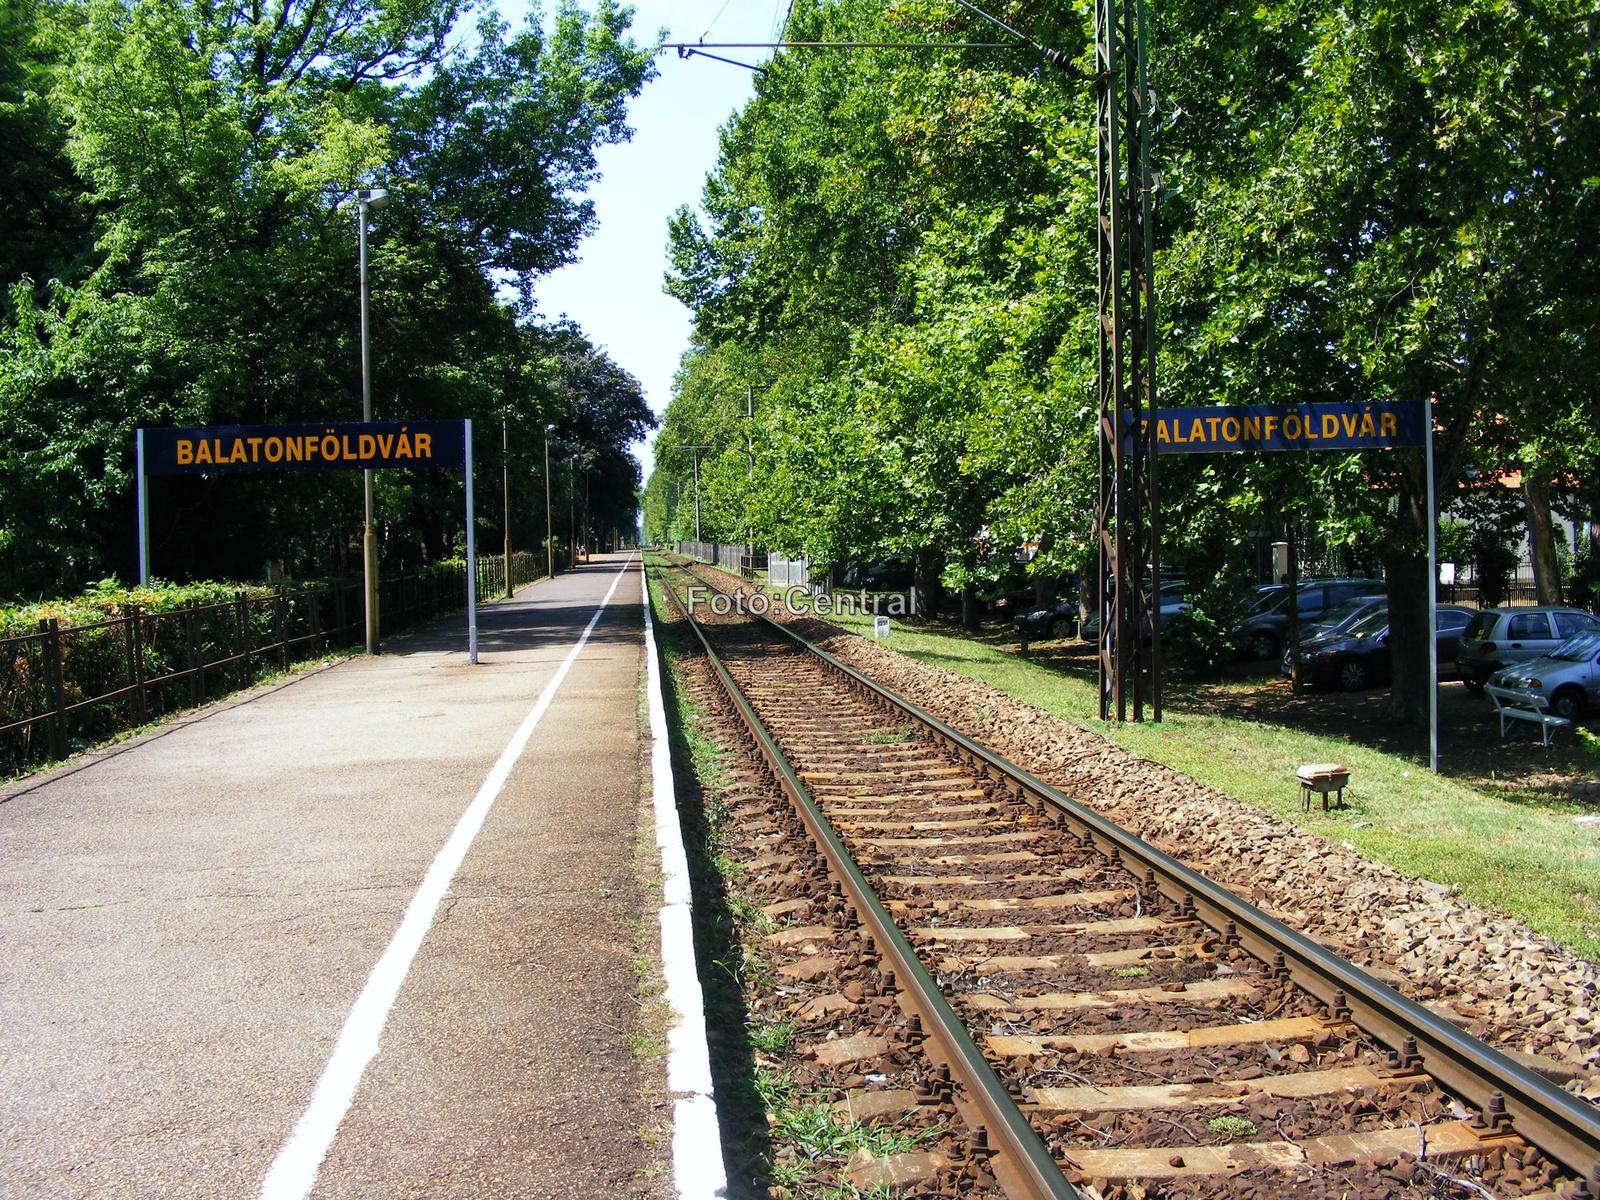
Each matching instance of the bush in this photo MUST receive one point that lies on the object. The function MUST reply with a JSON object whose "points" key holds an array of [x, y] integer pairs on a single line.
{"points": [[1196, 642]]}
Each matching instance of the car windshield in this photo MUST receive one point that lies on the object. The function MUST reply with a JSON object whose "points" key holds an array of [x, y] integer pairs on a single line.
{"points": [[1367, 626], [1581, 648], [1266, 602], [1343, 612]]}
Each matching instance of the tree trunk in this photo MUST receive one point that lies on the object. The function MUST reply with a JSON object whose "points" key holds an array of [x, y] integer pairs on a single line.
{"points": [[925, 578], [1405, 568], [1541, 540]]}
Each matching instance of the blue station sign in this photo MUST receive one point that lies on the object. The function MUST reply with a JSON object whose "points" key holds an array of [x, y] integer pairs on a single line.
{"points": [[1223, 429], [330, 446]]}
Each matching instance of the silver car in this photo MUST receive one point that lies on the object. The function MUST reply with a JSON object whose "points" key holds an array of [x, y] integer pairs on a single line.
{"points": [[1569, 676], [1500, 637]]}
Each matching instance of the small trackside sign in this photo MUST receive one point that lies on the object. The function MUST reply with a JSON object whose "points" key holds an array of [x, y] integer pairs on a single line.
{"points": [[329, 446]]}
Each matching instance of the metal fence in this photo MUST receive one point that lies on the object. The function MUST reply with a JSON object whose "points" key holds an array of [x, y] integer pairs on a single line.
{"points": [[783, 572], [65, 687], [736, 557]]}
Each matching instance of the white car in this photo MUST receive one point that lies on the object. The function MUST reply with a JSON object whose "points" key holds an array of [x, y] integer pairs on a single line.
{"points": [[1568, 677]]}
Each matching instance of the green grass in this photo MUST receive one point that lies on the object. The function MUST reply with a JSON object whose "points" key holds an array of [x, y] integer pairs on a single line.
{"points": [[1524, 859]]}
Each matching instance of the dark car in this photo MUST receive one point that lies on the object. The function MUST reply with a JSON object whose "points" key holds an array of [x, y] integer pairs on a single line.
{"points": [[1264, 631], [1013, 598], [1059, 620], [879, 575], [1358, 655], [1339, 618], [1499, 637]]}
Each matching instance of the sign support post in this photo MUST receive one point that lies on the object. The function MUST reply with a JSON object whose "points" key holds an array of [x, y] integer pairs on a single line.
{"points": [[472, 558], [1433, 598], [144, 511]]}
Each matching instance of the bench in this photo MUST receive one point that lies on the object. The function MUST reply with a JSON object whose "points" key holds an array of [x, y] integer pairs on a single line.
{"points": [[1519, 704], [1324, 778]]}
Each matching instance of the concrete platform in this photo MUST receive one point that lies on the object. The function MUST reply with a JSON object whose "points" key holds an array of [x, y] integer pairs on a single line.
{"points": [[188, 920]]}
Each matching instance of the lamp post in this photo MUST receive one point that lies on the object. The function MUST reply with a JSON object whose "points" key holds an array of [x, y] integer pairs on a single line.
{"points": [[505, 484], [549, 530], [696, 451], [366, 200]]}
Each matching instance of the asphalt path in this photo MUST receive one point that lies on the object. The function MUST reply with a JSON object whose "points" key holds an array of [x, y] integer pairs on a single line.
{"points": [[188, 921]]}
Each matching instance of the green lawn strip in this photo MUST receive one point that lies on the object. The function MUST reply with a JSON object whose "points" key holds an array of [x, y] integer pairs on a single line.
{"points": [[1526, 860]]}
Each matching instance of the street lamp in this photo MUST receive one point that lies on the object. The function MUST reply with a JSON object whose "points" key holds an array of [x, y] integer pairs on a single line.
{"points": [[366, 200], [549, 530], [697, 451], [505, 485]]}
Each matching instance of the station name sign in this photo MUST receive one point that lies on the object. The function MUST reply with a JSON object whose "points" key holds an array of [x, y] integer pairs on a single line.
{"points": [[330, 446], [1220, 430]]}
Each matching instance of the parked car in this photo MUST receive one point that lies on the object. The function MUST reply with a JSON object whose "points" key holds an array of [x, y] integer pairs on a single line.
{"points": [[879, 575], [1500, 637], [1172, 603], [1059, 620], [1357, 656], [1569, 676], [1264, 631], [1341, 616]]}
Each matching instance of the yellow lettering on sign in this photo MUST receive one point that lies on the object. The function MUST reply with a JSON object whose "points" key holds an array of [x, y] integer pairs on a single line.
{"points": [[217, 450], [1252, 429], [402, 447], [1212, 423], [347, 455], [366, 447], [1197, 432], [1349, 422], [185, 452], [1161, 432], [385, 445], [202, 452], [329, 440], [274, 449], [1230, 429], [1366, 425], [237, 452], [424, 443], [1177, 433], [1330, 425], [294, 449], [1291, 427], [1268, 426], [1386, 427], [255, 449]]}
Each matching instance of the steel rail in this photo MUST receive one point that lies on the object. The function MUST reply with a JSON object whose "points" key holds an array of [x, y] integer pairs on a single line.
{"points": [[1559, 1124], [1024, 1166]]}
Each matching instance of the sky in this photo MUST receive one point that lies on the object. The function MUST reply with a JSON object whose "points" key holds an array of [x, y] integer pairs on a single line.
{"points": [[614, 290]]}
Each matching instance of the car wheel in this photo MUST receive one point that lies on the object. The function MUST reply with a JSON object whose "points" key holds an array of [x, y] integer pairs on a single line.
{"points": [[1567, 703], [1475, 682], [1264, 646], [1353, 676], [1061, 627]]}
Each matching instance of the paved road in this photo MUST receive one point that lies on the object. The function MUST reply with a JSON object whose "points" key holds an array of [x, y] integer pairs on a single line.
{"points": [[187, 923]]}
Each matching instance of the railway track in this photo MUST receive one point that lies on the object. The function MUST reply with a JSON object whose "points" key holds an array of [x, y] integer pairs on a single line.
{"points": [[1056, 1005]]}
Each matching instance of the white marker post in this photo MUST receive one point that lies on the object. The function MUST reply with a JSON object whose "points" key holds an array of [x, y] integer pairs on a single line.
{"points": [[1433, 595], [144, 511], [472, 557]]}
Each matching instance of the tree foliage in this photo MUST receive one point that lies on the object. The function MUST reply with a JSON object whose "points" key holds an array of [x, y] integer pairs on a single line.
{"points": [[186, 253], [1358, 201]]}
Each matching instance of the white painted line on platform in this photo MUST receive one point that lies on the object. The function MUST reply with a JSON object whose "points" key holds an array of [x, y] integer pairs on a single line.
{"points": [[294, 1172], [697, 1170]]}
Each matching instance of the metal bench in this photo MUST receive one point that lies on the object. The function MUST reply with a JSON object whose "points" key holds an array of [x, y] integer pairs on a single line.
{"points": [[1519, 704], [1323, 778]]}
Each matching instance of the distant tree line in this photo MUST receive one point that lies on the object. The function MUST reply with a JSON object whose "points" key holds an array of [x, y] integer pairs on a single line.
{"points": [[177, 247], [1358, 201]]}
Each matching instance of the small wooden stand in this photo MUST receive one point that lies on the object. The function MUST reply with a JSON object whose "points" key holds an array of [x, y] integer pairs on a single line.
{"points": [[1323, 778]]}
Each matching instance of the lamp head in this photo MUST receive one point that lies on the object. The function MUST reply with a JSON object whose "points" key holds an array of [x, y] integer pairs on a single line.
{"points": [[372, 197]]}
